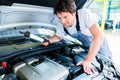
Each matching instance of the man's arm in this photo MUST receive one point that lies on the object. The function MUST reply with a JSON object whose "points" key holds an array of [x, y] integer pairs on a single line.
{"points": [[96, 42], [94, 48]]}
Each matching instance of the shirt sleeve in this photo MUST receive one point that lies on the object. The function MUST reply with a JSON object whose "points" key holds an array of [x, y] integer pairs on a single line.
{"points": [[89, 18]]}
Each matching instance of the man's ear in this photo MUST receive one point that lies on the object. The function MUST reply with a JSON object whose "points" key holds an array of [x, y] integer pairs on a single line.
{"points": [[74, 13]]}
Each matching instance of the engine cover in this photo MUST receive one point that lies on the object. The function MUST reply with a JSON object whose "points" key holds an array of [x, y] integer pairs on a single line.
{"points": [[33, 69]]}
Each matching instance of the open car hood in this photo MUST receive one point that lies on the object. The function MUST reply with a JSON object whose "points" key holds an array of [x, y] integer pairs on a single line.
{"points": [[20, 11], [46, 3], [36, 18]]}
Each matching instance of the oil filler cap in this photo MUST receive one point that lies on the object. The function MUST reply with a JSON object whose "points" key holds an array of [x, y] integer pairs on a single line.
{"points": [[4, 64]]}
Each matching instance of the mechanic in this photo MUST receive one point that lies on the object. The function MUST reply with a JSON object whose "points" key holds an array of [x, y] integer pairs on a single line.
{"points": [[82, 25]]}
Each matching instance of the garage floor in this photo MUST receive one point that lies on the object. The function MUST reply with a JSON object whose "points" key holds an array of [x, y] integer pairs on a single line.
{"points": [[113, 37]]}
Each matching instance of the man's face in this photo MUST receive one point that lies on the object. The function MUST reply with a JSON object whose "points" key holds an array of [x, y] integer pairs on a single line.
{"points": [[67, 19]]}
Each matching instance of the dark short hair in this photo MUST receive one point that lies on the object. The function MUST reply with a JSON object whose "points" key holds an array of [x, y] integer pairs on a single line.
{"points": [[65, 6]]}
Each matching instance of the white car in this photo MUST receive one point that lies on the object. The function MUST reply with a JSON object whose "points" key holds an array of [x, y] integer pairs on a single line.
{"points": [[22, 57]]}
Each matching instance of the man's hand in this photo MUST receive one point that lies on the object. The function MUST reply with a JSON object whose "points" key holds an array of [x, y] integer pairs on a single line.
{"points": [[88, 68], [45, 43]]}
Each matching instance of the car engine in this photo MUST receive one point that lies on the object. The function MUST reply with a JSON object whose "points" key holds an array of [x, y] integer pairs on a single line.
{"points": [[24, 58], [34, 69], [54, 63]]}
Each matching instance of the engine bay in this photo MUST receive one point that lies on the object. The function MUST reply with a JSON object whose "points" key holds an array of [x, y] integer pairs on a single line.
{"points": [[54, 62]]}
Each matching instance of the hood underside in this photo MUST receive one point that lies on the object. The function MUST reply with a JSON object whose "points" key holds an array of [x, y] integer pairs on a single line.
{"points": [[47, 3]]}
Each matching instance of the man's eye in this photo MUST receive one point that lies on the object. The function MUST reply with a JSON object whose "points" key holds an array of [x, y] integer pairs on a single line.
{"points": [[59, 18], [65, 17]]}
